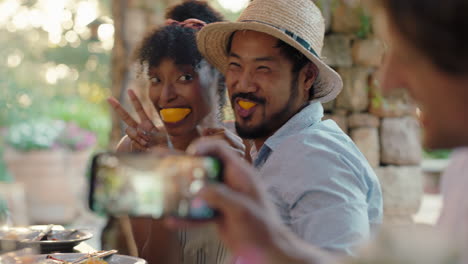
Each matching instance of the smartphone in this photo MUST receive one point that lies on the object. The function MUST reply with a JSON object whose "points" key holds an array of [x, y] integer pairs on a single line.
{"points": [[152, 185]]}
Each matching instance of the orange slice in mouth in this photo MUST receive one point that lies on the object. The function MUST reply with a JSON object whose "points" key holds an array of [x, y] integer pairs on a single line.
{"points": [[174, 115], [246, 104]]}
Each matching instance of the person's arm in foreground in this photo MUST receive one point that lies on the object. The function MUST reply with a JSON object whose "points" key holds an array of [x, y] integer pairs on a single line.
{"points": [[247, 223]]}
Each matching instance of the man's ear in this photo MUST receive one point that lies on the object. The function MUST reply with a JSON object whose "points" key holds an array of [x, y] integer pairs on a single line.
{"points": [[309, 74]]}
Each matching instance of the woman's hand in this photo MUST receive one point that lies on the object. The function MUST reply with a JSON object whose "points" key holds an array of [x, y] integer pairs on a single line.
{"points": [[142, 135], [234, 141]]}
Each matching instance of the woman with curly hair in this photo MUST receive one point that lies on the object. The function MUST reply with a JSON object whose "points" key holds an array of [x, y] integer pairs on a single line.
{"points": [[188, 95]]}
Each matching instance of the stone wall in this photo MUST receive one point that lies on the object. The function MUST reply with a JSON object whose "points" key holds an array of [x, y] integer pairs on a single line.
{"points": [[384, 128]]}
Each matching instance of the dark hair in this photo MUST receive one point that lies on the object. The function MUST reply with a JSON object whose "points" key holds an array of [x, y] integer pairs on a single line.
{"points": [[437, 28], [174, 42], [171, 42], [298, 60], [194, 9], [179, 45]]}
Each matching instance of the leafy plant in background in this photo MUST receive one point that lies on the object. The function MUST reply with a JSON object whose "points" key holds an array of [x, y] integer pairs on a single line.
{"points": [[75, 138], [49, 134], [39, 73], [366, 25], [4, 212], [437, 154], [5, 175], [34, 134], [19, 104], [86, 115]]}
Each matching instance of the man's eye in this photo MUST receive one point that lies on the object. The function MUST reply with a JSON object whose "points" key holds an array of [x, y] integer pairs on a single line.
{"points": [[155, 80], [234, 66], [263, 68], [186, 77]]}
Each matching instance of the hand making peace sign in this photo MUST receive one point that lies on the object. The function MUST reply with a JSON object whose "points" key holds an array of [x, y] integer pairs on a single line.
{"points": [[143, 135]]}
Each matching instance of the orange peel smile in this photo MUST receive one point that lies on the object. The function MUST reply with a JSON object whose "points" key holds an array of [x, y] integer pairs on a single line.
{"points": [[246, 105], [174, 115]]}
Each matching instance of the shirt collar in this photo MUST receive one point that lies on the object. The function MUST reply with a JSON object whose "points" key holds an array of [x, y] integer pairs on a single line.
{"points": [[308, 116]]}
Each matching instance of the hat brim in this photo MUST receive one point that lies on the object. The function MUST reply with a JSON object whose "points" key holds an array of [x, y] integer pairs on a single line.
{"points": [[213, 39]]}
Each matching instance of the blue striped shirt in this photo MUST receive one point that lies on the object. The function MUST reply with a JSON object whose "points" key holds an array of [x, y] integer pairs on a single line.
{"points": [[322, 185]]}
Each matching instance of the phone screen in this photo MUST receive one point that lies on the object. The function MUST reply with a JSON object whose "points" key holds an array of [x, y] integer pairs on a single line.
{"points": [[151, 185]]}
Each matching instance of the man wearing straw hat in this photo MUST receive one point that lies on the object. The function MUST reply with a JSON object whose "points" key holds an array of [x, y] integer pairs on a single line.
{"points": [[322, 186], [434, 70]]}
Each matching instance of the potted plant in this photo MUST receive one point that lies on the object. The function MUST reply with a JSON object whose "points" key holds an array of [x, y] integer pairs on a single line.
{"points": [[49, 158]]}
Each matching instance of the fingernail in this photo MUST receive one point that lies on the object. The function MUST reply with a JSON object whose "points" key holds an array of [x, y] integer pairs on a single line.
{"points": [[143, 142]]}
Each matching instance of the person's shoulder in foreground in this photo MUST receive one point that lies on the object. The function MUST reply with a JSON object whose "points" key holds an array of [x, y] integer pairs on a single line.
{"points": [[325, 188], [453, 187]]}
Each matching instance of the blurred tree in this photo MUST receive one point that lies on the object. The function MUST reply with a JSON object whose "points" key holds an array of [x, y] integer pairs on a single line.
{"points": [[49, 58]]}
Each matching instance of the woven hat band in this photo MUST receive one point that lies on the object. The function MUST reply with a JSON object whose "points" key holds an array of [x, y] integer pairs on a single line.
{"points": [[294, 36]]}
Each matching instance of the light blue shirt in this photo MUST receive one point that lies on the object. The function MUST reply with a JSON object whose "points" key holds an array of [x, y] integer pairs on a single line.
{"points": [[321, 184]]}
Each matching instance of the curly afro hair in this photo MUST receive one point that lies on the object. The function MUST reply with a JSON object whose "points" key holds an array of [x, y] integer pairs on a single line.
{"points": [[169, 42], [174, 42], [179, 43], [194, 9]]}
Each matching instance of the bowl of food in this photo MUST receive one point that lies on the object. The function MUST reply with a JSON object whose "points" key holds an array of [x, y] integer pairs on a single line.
{"points": [[45, 238], [102, 257], [27, 256]]}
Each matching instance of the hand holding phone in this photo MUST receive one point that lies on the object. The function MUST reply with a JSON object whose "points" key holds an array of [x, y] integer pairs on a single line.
{"points": [[152, 185]]}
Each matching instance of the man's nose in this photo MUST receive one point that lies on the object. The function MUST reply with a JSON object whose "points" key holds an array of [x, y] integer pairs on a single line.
{"points": [[247, 83]]}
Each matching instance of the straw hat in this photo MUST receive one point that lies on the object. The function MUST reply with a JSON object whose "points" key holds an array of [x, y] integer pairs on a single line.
{"points": [[299, 23]]}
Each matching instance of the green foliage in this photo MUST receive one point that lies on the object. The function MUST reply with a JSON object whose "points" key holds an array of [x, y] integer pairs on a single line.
{"points": [[43, 134], [19, 103], [87, 115], [5, 175], [29, 101], [34, 134], [366, 26], [377, 99], [80, 58], [78, 95], [335, 4], [437, 154]]}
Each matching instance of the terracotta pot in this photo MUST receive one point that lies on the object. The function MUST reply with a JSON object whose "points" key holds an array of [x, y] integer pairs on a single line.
{"points": [[53, 180]]}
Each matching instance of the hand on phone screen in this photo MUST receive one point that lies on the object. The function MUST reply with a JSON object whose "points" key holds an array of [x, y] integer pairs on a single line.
{"points": [[152, 185]]}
